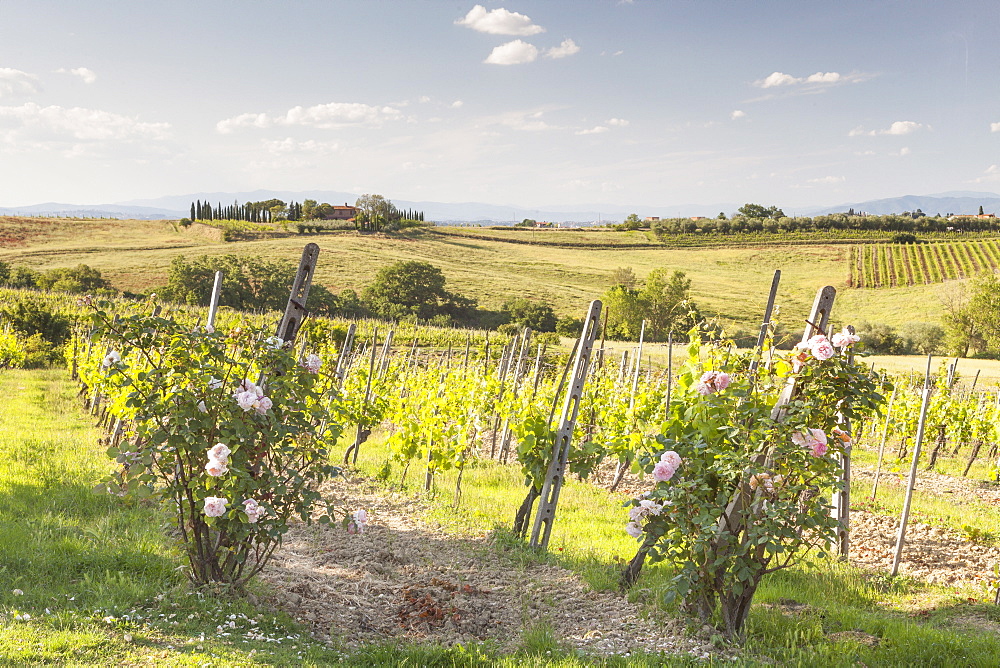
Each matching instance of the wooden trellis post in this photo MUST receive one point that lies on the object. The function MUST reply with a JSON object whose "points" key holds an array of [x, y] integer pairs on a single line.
{"points": [[554, 477], [213, 306], [901, 535], [295, 310]]}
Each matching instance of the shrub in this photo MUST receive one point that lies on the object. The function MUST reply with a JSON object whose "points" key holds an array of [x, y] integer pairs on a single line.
{"points": [[905, 238], [232, 459]]}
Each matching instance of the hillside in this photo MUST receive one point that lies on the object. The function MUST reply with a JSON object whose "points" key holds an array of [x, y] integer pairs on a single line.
{"points": [[730, 282]]}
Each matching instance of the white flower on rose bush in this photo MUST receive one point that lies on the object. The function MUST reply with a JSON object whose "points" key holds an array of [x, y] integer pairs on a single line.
{"points": [[844, 339], [273, 342], [219, 451], [214, 383], [712, 382], [262, 405], [253, 510], [202, 407], [633, 529], [113, 357], [215, 506], [813, 439], [358, 522], [216, 468], [312, 363]]}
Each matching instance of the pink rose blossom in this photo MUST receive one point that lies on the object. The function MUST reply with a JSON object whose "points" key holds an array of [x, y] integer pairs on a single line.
{"points": [[633, 529], [712, 381], [215, 506], [671, 458], [820, 347], [663, 471], [246, 399], [262, 405], [253, 510], [358, 522], [844, 339], [216, 468], [814, 439]]}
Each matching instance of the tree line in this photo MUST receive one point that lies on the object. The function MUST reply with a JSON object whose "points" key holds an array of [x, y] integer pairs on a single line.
{"points": [[374, 213]]}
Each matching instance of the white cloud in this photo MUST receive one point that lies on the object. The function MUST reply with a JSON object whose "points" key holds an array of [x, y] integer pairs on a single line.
{"points": [[904, 151], [424, 99], [456, 104], [823, 77], [289, 145], [994, 127], [617, 122], [897, 128], [737, 114], [827, 180], [776, 79], [904, 128], [86, 74], [339, 114], [228, 125], [80, 123], [567, 48], [499, 22], [16, 82], [517, 52], [599, 129], [324, 116]]}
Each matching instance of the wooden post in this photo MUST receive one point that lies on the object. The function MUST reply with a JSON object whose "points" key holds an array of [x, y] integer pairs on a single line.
{"points": [[213, 304], [901, 535], [842, 497], [638, 364], [345, 354], [881, 447], [295, 310], [554, 477], [766, 322]]}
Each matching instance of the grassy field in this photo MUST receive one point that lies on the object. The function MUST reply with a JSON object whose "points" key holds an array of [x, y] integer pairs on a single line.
{"points": [[89, 579], [731, 283]]}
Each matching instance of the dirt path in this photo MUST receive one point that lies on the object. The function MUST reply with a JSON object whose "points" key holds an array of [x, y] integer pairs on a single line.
{"points": [[405, 580]]}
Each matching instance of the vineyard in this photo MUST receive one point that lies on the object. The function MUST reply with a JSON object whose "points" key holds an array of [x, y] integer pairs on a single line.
{"points": [[720, 452], [897, 265]]}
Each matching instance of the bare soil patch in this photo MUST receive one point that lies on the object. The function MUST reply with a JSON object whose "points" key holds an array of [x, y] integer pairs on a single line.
{"points": [[406, 580]]}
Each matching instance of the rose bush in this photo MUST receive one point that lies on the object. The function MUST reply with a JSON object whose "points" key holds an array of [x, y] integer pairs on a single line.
{"points": [[233, 459], [741, 483]]}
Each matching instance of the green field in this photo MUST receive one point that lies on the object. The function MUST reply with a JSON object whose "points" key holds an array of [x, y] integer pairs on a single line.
{"points": [[730, 283]]}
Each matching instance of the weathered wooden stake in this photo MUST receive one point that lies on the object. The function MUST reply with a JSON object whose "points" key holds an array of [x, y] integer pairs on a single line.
{"points": [[542, 528], [881, 447], [213, 304], [901, 535]]}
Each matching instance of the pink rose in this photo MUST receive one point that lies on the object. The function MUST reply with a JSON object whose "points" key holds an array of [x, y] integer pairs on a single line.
{"points": [[814, 439], [246, 399], [820, 347], [712, 381], [253, 510], [663, 471], [262, 405], [215, 506], [844, 339], [671, 458]]}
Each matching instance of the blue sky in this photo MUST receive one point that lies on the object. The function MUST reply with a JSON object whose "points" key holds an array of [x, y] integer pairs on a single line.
{"points": [[521, 103]]}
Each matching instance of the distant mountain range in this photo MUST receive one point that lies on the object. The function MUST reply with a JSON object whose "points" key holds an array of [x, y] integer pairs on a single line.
{"points": [[178, 206]]}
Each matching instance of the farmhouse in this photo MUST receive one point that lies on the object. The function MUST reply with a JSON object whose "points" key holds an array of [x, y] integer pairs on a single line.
{"points": [[346, 212]]}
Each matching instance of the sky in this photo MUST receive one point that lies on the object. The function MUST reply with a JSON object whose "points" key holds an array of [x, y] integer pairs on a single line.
{"points": [[791, 103]]}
